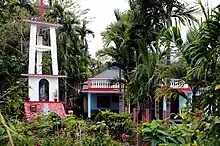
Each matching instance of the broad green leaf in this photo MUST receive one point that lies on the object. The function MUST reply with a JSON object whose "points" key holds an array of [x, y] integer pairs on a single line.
{"points": [[217, 121], [217, 87], [163, 132], [180, 139], [162, 138], [147, 129], [29, 133], [154, 124], [172, 139], [2, 130], [154, 142]]}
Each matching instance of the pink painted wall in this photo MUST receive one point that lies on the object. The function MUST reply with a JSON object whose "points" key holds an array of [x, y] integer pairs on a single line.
{"points": [[56, 107]]}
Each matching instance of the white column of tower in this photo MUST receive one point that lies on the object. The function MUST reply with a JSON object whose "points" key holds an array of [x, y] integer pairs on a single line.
{"points": [[53, 44], [32, 49], [39, 55], [54, 50]]}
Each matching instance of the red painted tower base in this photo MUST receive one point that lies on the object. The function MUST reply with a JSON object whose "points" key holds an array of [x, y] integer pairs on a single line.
{"points": [[34, 108]]}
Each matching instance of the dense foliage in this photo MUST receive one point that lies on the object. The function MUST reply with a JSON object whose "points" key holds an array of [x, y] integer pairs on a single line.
{"points": [[134, 42], [45, 130], [99, 135], [196, 128], [53, 130], [12, 101], [198, 61], [118, 124], [141, 42]]}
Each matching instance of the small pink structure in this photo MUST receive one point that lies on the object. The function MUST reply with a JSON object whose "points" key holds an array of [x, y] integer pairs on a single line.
{"points": [[32, 109]]}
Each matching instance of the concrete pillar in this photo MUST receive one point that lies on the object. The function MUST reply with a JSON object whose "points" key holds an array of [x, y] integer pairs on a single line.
{"points": [[143, 115], [39, 55], [164, 108], [157, 109], [32, 49], [120, 104], [147, 116], [123, 103], [89, 105], [134, 115], [53, 44], [168, 111]]}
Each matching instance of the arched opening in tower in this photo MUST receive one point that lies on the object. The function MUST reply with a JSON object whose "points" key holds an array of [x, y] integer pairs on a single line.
{"points": [[43, 90]]}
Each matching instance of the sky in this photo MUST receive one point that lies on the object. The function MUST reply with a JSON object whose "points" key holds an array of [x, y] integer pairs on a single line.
{"points": [[102, 13]]}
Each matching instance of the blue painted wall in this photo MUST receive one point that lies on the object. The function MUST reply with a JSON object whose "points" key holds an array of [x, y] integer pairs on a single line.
{"points": [[183, 100], [113, 106]]}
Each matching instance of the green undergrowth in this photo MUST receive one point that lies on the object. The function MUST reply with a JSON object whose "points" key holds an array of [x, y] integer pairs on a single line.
{"points": [[51, 130]]}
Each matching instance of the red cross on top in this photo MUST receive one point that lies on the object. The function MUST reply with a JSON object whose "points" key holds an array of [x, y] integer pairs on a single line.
{"points": [[41, 6]]}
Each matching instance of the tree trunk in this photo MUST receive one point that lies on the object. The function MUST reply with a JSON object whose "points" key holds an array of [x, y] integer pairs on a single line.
{"points": [[169, 24]]}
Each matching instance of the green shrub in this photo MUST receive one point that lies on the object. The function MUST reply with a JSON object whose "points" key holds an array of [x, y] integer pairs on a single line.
{"points": [[12, 101], [195, 129], [118, 124], [48, 130], [98, 135]]}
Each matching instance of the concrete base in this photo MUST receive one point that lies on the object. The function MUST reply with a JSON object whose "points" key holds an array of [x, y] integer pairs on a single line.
{"points": [[32, 109]]}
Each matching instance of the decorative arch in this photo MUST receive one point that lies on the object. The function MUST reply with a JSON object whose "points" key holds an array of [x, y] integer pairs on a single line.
{"points": [[43, 90]]}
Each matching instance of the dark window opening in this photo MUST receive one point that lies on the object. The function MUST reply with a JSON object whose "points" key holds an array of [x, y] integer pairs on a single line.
{"points": [[161, 109], [174, 106], [103, 101], [115, 99]]}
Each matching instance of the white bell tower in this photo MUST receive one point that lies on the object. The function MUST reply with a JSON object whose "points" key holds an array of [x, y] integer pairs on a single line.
{"points": [[43, 92], [43, 87]]}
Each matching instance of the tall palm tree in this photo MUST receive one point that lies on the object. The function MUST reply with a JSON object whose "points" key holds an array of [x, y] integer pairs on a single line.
{"points": [[152, 16], [117, 43], [145, 78], [83, 32], [140, 24], [73, 57], [201, 56]]}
